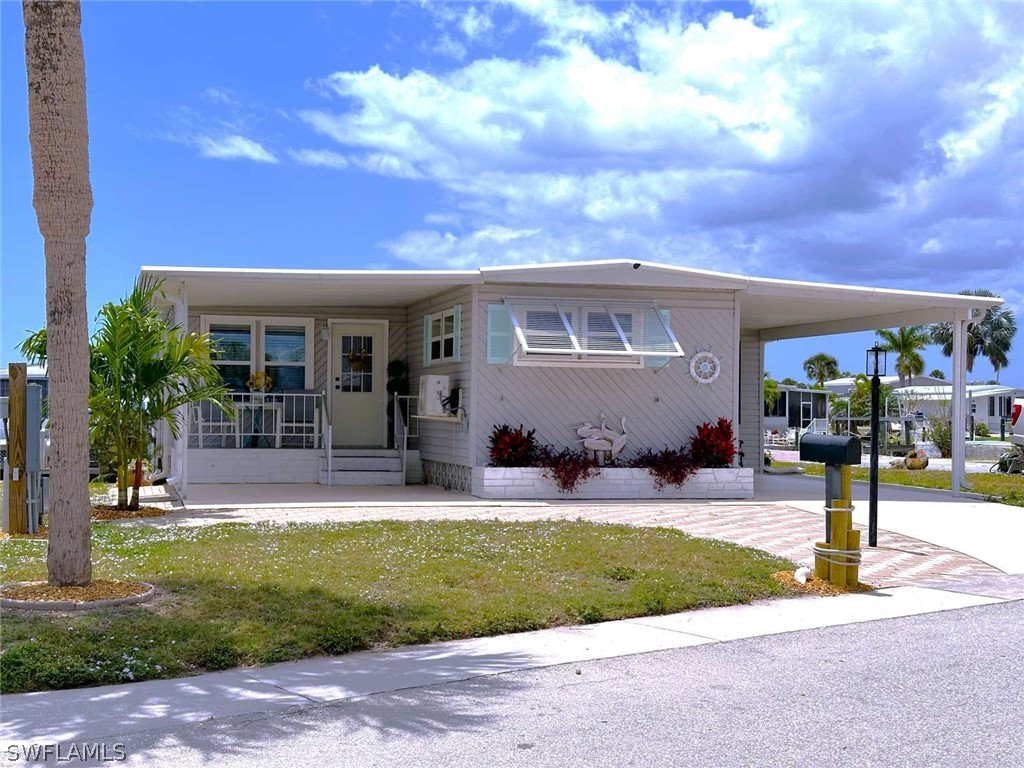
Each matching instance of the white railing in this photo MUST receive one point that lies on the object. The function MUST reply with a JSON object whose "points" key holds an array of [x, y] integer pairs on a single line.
{"points": [[402, 417], [815, 427], [259, 420], [328, 435]]}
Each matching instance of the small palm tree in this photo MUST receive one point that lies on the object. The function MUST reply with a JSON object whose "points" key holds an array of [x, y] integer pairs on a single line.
{"points": [[142, 370], [906, 342], [990, 337], [821, 367]]}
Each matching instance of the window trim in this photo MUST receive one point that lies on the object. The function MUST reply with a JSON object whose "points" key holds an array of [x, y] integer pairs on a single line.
{"points": [[257, 349], [456, 336], [573, 313]]}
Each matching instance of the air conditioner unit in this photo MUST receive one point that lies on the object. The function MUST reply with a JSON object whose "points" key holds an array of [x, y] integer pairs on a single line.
{"points": [[433, 389]]}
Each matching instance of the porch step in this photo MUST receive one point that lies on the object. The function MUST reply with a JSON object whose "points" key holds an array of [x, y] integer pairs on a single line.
{"points": [[390, 453], [363, 463], [356, 477], [362, 466]]}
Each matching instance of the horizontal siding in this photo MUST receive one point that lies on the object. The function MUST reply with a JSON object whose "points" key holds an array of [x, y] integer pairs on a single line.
{"points": [[662, 407], [449, 443]]}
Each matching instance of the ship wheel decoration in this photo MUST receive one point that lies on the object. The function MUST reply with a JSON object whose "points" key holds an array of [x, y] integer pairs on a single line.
{"points": [[705, 366]]}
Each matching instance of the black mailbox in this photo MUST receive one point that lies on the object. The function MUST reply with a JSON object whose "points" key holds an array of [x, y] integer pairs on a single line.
{"points": [[830, 449]]}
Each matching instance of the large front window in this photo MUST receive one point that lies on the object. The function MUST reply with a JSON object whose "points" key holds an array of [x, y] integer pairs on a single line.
{"points": [[280, 347]]}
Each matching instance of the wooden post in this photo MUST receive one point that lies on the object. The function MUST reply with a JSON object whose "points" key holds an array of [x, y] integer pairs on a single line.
{"points": [[821, 565], [853, 571], [18, 375], [840, 528]]}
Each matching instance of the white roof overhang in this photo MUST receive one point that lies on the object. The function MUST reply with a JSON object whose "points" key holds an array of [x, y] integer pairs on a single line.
{"points": [[774, 309]]}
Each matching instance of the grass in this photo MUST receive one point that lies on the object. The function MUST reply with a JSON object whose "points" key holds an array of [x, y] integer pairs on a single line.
{"points": [[257, 594], [1008, 489]]}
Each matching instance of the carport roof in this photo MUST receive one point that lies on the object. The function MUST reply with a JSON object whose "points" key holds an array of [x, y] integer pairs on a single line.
{"points": [[773, 308]]}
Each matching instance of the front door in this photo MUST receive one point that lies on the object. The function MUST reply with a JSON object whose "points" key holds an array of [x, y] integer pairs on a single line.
{"points": [[358, 386]]}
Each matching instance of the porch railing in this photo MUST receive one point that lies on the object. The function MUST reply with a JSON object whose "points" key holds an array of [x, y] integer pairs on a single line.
{"points": [[328, 436], [402, 413], [260, 420]]}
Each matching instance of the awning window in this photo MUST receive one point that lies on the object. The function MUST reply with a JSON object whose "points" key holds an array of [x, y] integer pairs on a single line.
{"points": [[581, 329]]}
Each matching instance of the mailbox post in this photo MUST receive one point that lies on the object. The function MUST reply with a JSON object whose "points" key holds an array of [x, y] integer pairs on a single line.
{"points": [[837, 558]]}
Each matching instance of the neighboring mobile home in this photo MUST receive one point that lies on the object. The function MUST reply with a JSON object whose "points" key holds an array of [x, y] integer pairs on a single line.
{"points": [[546, 346]]}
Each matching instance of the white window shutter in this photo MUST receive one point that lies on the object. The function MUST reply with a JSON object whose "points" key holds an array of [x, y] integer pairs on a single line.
{"points": [[457, 346], [660, 362], [499, 335], [426, 341]]}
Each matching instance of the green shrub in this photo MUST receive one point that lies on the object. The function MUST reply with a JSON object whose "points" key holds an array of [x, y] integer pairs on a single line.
{"points": [[981, 430]]}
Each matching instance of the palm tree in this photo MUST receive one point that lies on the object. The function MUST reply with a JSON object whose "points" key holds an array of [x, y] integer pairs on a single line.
{"points": [[821, 367], [143, 370], [62, 196], [990, 337], [906, 342]]}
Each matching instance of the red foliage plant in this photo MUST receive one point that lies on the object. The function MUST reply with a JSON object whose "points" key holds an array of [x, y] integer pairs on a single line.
{"points": [[568, 469], [713, 445], [667, 467], [512, 447]]}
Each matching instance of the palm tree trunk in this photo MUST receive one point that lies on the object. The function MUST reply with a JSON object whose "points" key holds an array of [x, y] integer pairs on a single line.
{"points": [[62, 197], [136, 482]]}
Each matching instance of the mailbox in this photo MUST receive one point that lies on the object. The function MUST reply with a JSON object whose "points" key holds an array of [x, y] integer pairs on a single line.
{"points": [[830, 449]]}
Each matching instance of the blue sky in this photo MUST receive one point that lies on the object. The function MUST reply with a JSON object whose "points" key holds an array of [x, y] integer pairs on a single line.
{"points": [[869, 144]]}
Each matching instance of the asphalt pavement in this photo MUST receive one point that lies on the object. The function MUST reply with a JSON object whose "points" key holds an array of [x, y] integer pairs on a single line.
{"points": [[941, 689]]}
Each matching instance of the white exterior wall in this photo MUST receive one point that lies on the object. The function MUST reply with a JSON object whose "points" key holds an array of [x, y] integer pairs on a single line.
{"points": [[252, 465], [662, 406], [443, 442]]}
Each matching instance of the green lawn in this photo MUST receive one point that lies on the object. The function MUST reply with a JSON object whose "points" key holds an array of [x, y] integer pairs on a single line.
{"points": [[1008, 489], [257, 594]]}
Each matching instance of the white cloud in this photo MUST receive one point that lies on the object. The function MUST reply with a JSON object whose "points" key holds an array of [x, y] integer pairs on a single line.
{"points": [[323, 158], [220, 96], [870, 142], [233, 148]]}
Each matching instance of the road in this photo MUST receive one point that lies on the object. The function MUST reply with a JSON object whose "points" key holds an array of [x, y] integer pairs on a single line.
{"points": [[941, 689]]}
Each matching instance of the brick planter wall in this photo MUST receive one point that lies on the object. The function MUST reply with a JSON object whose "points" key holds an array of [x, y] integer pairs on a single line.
{"points": [[612, 483]]}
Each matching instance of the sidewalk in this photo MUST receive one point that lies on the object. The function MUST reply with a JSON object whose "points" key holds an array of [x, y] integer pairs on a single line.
{"points": [[90, 714]]}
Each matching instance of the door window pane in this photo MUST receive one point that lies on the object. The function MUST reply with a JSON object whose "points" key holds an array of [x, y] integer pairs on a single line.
{"points": [[356, 363]]}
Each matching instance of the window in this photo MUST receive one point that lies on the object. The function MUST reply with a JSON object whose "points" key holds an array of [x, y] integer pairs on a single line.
{"points": [[574, 332], [282, 347], [779, 409], [442, 336]]}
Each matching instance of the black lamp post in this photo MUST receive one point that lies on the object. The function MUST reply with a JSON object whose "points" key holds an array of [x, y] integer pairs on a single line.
{"points": [[875, 365]]}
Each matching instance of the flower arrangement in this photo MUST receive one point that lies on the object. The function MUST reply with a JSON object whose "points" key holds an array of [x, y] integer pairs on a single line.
{"points": [[358, 358], [667, 467], [259, 382]]}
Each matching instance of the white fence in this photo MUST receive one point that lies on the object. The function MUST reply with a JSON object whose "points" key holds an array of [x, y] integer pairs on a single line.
{"points": [[259, 420]]}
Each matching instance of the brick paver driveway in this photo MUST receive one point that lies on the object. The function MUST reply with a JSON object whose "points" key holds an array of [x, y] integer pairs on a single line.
{"points": [[782, 530]]}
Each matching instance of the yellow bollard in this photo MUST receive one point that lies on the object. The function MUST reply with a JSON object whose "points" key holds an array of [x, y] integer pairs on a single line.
{"points": [[821, 565]]}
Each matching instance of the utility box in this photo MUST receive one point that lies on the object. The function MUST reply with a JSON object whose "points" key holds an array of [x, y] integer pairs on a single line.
{"points": [[830, 449]]}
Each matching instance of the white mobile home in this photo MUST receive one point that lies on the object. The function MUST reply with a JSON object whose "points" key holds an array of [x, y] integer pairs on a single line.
{"points": [[546, 346]]}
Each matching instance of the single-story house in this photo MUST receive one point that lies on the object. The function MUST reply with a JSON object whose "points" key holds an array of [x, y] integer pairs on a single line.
{"points": [[548, 346], [798, 408], [987, 404], [844, 385]]}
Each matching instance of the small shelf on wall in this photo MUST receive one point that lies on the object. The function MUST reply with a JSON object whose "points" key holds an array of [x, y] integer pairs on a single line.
{"points": [[457, 419]]}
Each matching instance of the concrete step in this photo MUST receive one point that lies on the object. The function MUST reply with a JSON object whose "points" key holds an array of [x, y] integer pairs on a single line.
{"points": [[365, 453], [361, 478], [364, 463]]}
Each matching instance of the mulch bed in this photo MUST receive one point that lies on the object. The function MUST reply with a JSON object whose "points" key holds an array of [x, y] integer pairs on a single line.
{"points": [[98, 589], [111, 512], [815, 586]]}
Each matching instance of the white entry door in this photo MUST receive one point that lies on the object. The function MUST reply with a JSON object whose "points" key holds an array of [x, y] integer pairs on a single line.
{"points": [[358, 384]]}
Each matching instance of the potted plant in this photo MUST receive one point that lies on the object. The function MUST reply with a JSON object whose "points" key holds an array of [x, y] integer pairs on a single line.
{"points": [[259, 382]]}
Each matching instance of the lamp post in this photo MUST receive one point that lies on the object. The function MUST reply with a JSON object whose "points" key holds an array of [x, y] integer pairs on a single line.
{"points": [[875, 365]]}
